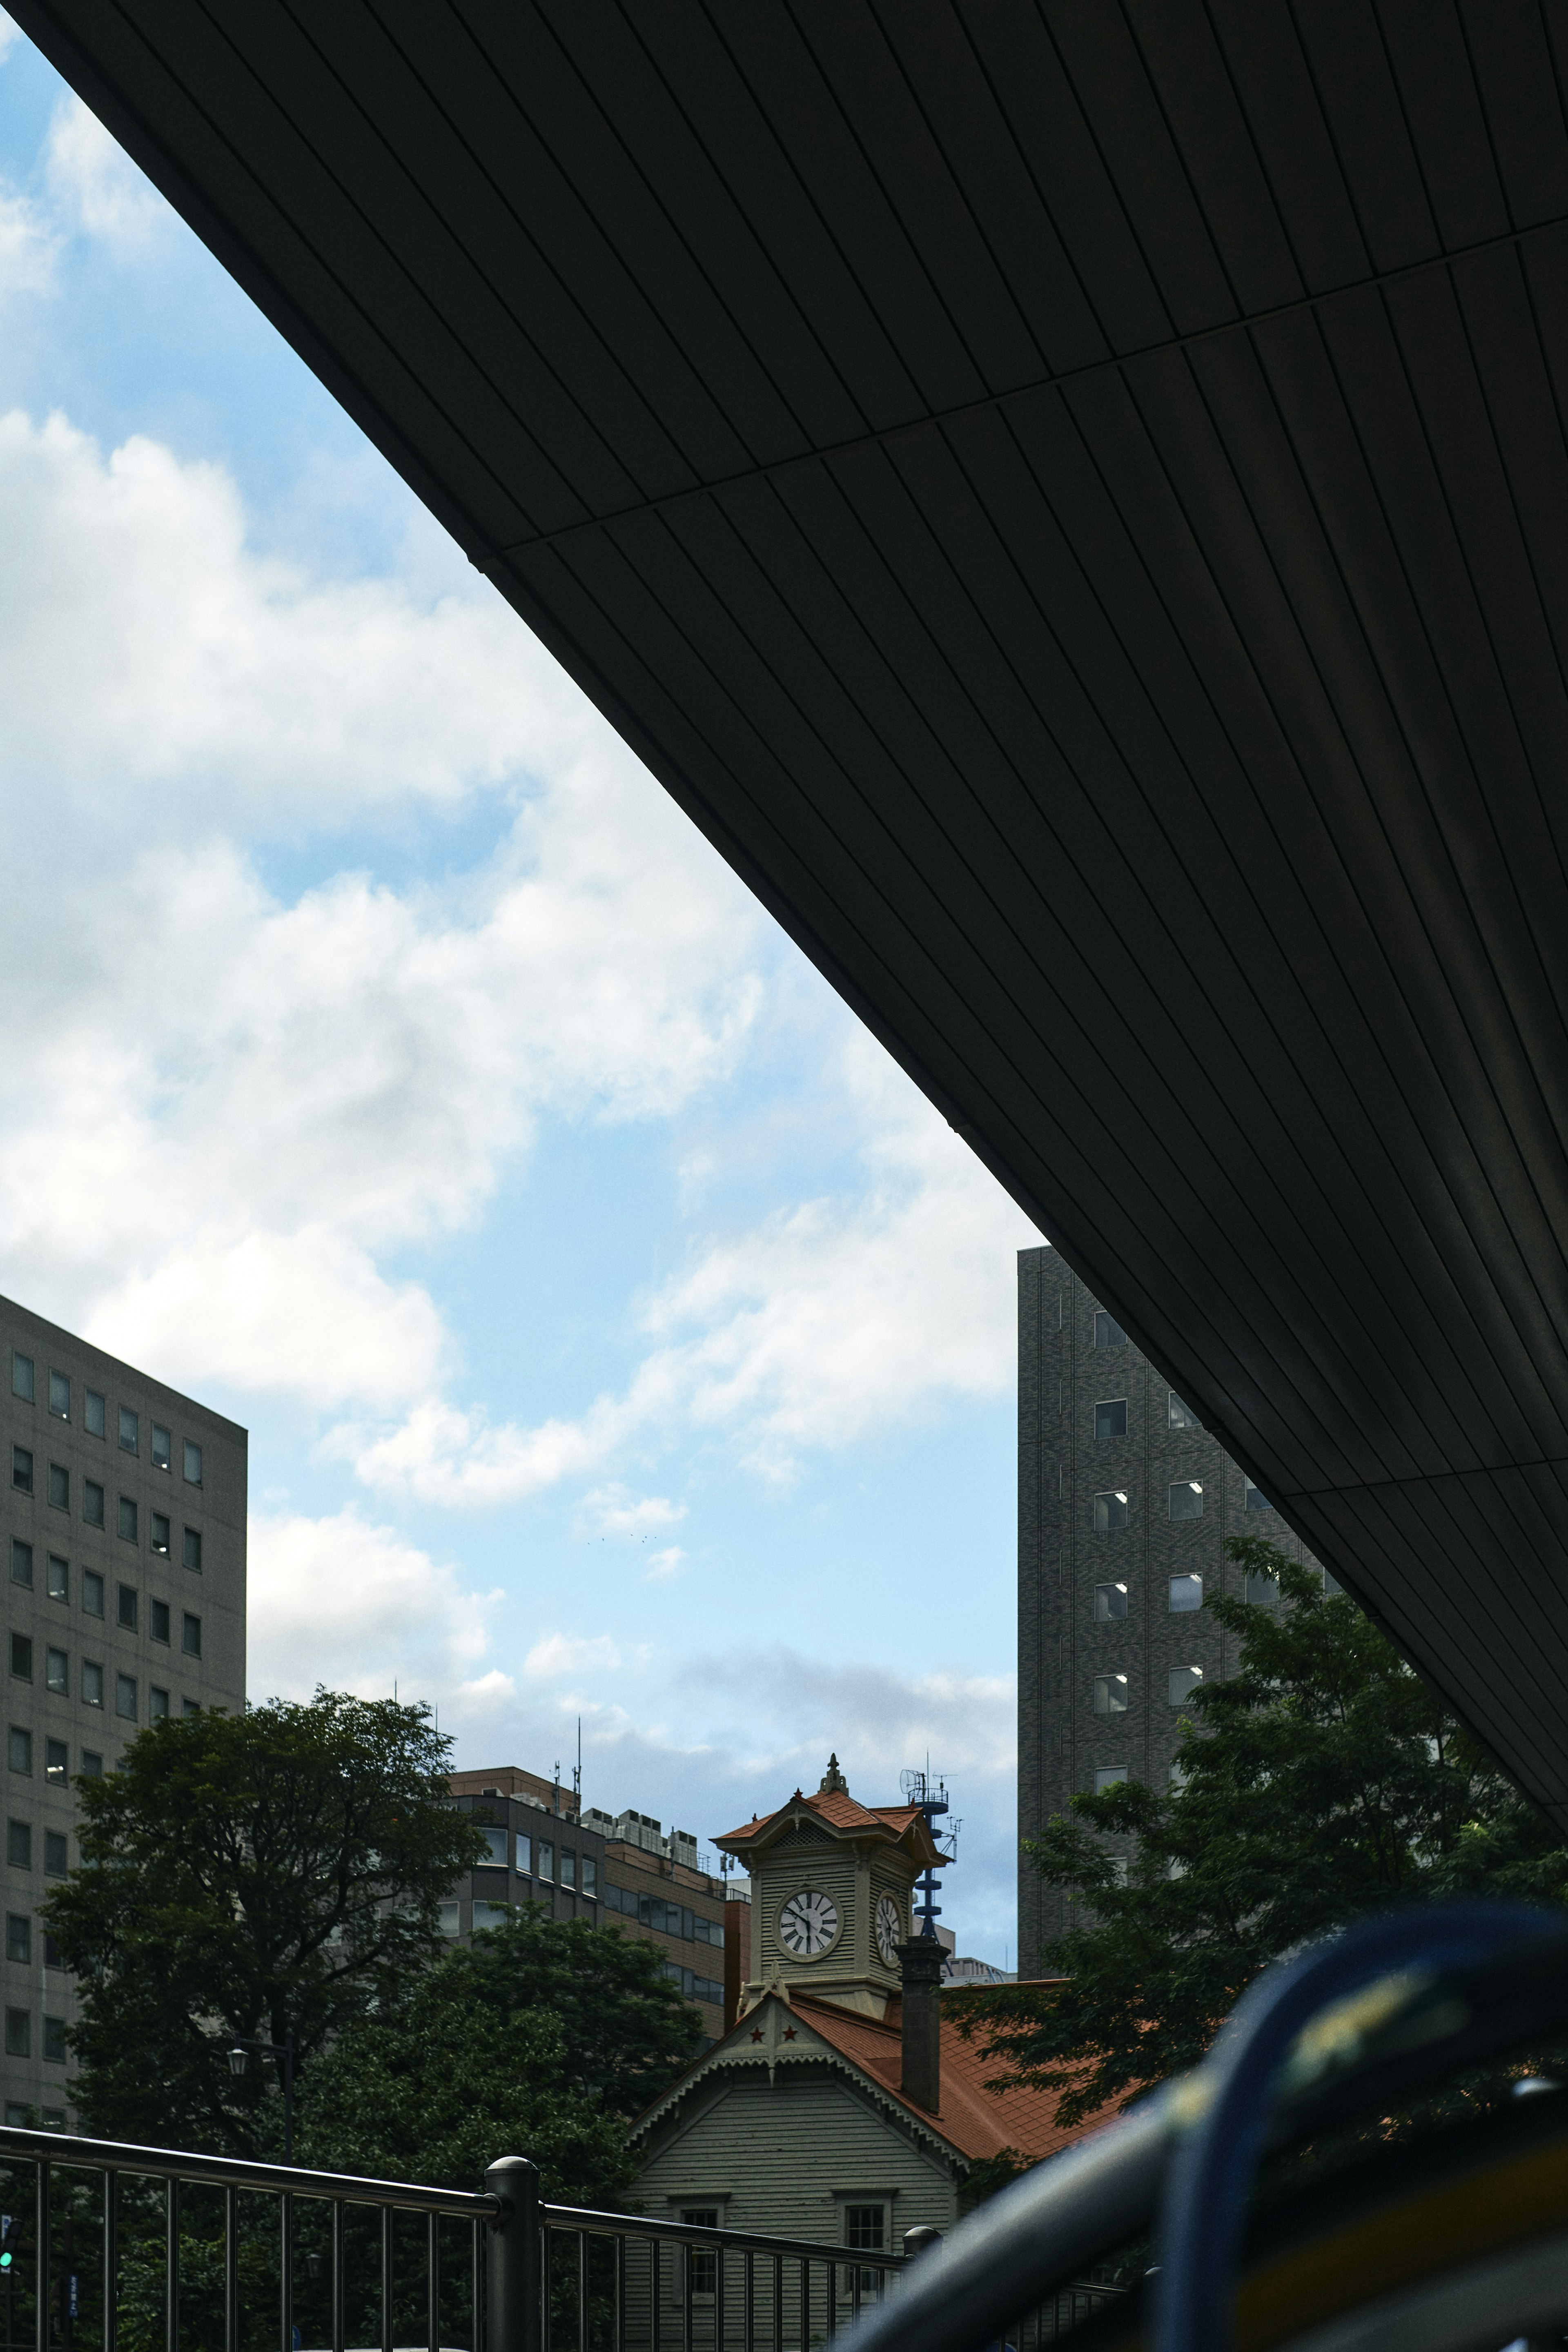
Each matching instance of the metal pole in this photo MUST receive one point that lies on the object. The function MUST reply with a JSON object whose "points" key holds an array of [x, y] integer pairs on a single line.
{"points": [[285, 2249], [387, 2278], [172, 2267], [231, 2270], [516, 2299], [288, 2057], [433, 2280], [111, 2247], [41, 2263], [339, 2282]]}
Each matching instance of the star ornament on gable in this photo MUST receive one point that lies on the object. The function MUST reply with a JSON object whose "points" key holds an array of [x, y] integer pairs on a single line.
{"points": [[756, 2033], [789, 2033]]}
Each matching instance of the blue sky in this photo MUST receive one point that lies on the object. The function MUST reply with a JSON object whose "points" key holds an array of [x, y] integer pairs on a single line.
{"points": [[619, 1333]]}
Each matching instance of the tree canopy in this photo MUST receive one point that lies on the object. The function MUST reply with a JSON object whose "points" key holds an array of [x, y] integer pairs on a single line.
{"points": [[541, 2039], [249, 1876], [1323, 1780]]}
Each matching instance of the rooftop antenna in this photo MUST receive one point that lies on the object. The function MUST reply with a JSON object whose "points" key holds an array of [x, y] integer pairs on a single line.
{"points": [[577, 1772], [558, 1788], [917, 1787]]}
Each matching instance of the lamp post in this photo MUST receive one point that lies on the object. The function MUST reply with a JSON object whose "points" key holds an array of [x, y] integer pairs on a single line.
{"points": [[283, 2051]]}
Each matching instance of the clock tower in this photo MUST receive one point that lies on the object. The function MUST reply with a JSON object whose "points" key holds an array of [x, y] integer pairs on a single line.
{"points": [[831, 1887]]}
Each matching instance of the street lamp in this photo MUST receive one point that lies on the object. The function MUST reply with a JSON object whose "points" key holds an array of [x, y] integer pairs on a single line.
{"points": [[283, 2051]]}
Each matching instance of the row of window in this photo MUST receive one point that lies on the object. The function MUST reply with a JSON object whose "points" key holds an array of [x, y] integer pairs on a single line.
{"points": [[668, 1918], [694, 1986], [19, 2042], [1182, 1593], [539, 1859], [19, 1849], [128, 1517], [127, 1599], [1184, 1500], [1112, 1692], [95, 1419], [19, 1942], [1110, 1415], [57, 1678]]}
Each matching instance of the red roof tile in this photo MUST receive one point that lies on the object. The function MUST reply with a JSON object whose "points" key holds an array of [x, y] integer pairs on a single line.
{"points": [[836, 1807]]}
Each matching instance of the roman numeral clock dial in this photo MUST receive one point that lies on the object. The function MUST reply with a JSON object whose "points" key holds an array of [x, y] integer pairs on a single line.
{"points": [[889, 1931], [808, 1924]]}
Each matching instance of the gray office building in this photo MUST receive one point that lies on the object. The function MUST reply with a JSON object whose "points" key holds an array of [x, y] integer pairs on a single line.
{"points": [[126, 1552], [1125, 1504]]}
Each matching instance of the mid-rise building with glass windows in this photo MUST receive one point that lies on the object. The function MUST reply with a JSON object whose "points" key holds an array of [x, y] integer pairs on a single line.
{"points": [[1125, 1504], [124, 1551]]}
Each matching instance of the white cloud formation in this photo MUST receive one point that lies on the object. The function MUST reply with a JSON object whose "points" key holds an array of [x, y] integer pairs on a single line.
{"points": [[96, 186], [28, 247], [565, 1654], [662, 1565], [343, 1601], [613, 1511], [10, 33]]}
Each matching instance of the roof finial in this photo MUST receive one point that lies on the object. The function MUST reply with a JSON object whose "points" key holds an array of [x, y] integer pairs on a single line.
{"points": [[833, 1783]]}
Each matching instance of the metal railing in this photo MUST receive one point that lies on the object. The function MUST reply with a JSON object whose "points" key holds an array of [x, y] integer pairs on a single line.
{"points": [[155, 2250]]}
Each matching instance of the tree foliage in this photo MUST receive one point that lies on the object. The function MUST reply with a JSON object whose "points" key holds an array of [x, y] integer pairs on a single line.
{"points": [[540, 2039], [1323, 1780], [249, 1876]]}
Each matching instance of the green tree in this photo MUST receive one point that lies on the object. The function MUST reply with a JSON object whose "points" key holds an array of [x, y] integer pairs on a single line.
{"points": [[1323, 1780], [259, 1876], [540, 2039]]}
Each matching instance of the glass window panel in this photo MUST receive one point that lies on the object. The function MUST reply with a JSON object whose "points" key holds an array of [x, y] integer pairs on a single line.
{"points": [[1109, 1776], [546, 1860], [18, 2033], [1263, 1591], [157, 1704], [1108, 1331], [91, 1685], [1111, 1510], [19, 1844], [158, 1620], [59, 1578], [127, 1608], [1179, 1415], [192, 1552], [490, 1914], [1109, 1603], [60, 1486], [93, 1501], [21, 1470], [18, 1937], [56, 1859], [1110, 1418], [21, 1562], [60, 1396], [91, 1592], [92, 1413], [161, 1447], [568, 1868], [22, 1658], [190, 1636], [91, 1764], [494, 1840], [447, 1918], [54, 2042], [190, 1706], [56, 1671], [193, 1464], [1186, 1592], [524, 1853], [57, 1761], [161, 1533], [1181, 1682], [590, 1875], [129, 1430], [1257, 1500], [22, 1377], [127, 1521], [125, 1697], [19, 1750], [1111, 1694], [1185, 1499]]}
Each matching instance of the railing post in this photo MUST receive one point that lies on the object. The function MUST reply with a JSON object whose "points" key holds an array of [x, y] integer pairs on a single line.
{"points": [[514, 2320]]}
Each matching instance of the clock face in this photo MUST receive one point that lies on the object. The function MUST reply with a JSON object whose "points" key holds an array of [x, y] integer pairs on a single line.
{"points": [[808, 1924], [889, 1931]]}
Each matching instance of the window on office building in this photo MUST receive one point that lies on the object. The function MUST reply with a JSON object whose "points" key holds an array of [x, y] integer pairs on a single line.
{"points": [[56, 1762], [495, 1844], [129, 1430], [92, 1413], [91, 1685], [490, 1914], [21, 1562], [546, 1860], [19, 1844], [1181, 1683], [568, 1868], [447, 1918], [1263, 1591], [1186, 1592], [55, 2051], [60, 1396], [1107, 1776], [157, 1704], [160, 1537], [19, 1751], [18, 2033], [1111, 1694], [91, 1592], [1110, 1418], [22, 1377], [91, 1764], [125, 1697], [190, 1706], [18, 1937], [21, 1470], [1108, 1331], [193, 1464], [128, 1607], [193, 1551], [158, 1620], [56, 1673], [60, 1486], [523, 1850], [93, 1501], [57, 1858], [1257, 1500], [589, 1877], [161, 1447], [59, 1579], [1330, 1584], [1111, 1510], [1185, 1499], [190, 1636], [127, 1520], [1179, 1415], [1109, 1603], [22, 1658]]}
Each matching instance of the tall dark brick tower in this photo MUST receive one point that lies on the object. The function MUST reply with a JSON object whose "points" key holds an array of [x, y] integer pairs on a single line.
{"points": [[1124, 1503]]}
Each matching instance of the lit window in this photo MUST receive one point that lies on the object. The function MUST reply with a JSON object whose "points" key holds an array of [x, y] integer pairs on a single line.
{"points": [[18, 2033], [127, 1610], [60, 1396], [524, 1855], [1111, 1510], [56, 1762], [21, 1562], [21, 1470], [1110, 1418], [1181, 1682], [93, 1501], [1186, 1500], [56, 1860], [193, 1551], [161, 1533], [161, 1447], [18, 1938], [92, 1413], [129, 1430], [60, 1486], [91, 1688], [1257, 1500], [546, 1860], [1111, 1694], [1108, 1331], [1110, 1603], [193, 1464], [1109, 1776], [22, 1377], [1186, 1592], [56, 1671], [19, 1845], [190, 1636], [91, 1592], [157, 1704], [1263, 1591], [59, 1578], [22, 1658], [158, 1620], [54, 2042], [1179, 1415], [447, 1918], [125, 1697], [127, 1521], [19, 1750]]}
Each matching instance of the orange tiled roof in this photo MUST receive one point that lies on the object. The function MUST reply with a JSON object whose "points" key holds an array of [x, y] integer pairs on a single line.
{"points": [[837, 1807]]}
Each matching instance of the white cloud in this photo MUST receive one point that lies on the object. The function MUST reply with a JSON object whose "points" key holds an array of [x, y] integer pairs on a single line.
{"points": [[10, 33], [565, 1654], [613, 1511], [28, 249], [95, 183], [664, 1564], [341, 1602], [485, 1694]]}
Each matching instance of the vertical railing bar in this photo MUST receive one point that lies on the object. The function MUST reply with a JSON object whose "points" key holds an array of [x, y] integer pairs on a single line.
{"points": [[658, 2252], [110, 2258], [749, 2304], [778, 2302], [719, 2260], [582, 2291], [285, 2272], [620, 2295], [41, 2259], [688, 2277], [387, 2278], [231, 2270], [477, 2284], [340, 2280], [805, 2304], [172, 2266], [433, 2281]]}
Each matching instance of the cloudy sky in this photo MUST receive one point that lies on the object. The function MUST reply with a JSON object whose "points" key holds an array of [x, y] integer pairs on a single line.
{"points": [[390, 1063]]}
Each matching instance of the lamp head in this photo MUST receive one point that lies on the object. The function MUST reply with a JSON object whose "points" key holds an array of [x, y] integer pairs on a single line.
{"points": [[238, 2060]]}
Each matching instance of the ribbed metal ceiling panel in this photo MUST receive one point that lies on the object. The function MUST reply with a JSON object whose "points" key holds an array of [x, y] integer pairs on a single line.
{"points": [[1073, 500]]}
